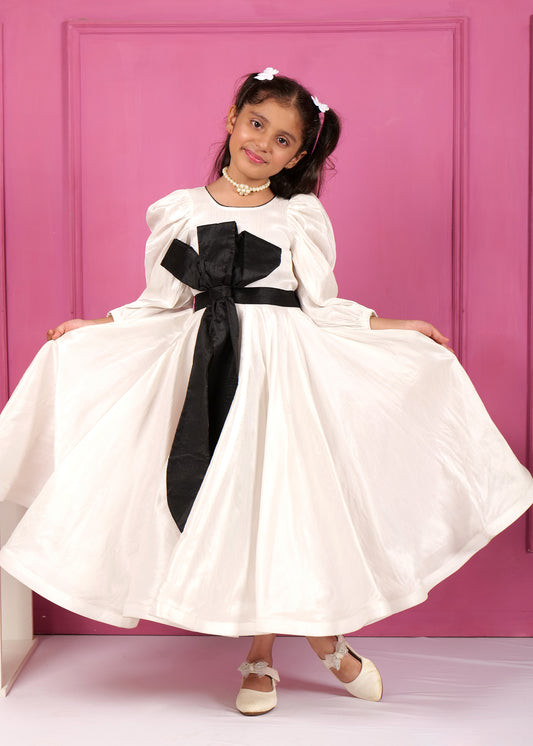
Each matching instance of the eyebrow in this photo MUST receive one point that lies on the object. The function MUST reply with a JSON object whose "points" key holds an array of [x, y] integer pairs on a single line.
{"points": [[265, 119]]}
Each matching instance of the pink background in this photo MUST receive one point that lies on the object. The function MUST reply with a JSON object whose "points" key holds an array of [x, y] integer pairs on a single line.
{"points": [[430, 200]]}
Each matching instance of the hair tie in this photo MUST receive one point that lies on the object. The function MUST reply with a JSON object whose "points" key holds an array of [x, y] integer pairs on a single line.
{"points": [[267, 74], [321, 107]]}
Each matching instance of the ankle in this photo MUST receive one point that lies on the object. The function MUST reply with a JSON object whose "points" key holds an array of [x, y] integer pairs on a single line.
{"points": [[323, 645], [254, 656]]}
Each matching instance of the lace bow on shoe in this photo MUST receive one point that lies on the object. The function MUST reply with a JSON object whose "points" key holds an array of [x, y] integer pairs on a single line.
{"points": [[333, 660], [367, 684], [260, 668]]}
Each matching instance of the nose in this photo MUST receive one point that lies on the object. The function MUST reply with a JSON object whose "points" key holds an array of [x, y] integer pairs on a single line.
{"points": [[262, 141]]}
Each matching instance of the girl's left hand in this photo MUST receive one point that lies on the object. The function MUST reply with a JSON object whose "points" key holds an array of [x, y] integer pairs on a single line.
{"points": [[429, 330], [424, 327]]}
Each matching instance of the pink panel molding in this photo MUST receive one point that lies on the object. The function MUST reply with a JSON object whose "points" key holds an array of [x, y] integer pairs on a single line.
{"points": [[4, 370], [456, 26], [529, 442]]}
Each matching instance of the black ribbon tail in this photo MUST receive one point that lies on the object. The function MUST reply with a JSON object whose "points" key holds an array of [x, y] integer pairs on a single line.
{"points": [[210, 392], [223, 374], [190, 453]]}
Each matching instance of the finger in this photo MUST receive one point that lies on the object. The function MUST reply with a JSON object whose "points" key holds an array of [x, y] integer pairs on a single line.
{"points": [[442, 340], [439, 336]]}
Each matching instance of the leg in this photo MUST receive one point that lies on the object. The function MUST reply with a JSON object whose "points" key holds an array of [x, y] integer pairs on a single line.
{"points": [[261, 650], [350, 666]]}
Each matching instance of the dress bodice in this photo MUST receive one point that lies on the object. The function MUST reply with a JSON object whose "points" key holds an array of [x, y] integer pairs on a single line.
{"points": [[268, 221], [300, 228]]}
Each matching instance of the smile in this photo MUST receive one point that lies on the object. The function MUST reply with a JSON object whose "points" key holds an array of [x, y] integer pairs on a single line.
{"points": [[253, 156]]}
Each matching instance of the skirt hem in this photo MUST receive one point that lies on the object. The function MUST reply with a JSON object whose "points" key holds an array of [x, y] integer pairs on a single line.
{"points": [[168, 613]]}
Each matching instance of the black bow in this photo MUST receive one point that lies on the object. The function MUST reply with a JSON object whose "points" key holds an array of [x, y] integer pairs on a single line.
{"points": [[225, 262]]}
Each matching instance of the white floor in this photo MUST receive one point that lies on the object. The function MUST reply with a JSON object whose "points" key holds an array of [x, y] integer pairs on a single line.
{"points": [[154, 691]]}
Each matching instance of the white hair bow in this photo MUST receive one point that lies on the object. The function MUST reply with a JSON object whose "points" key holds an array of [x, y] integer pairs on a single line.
{"points": [[267, 74], [321, 107]]}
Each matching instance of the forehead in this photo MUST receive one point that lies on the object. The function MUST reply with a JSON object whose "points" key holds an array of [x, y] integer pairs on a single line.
{"points": [[281, 116]]}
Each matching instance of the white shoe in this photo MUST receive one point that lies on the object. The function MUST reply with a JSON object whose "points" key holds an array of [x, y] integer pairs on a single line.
{"points": [[250, 701], [367, 684]]}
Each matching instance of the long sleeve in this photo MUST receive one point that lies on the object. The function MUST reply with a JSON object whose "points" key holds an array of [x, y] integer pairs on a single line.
{"points": [[313, 255], [167, 219]]}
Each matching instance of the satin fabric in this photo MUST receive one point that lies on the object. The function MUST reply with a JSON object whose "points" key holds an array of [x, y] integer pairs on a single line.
{"points": [[355, 470]]}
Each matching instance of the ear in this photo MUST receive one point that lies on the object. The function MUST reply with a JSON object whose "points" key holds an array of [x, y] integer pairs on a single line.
{"points": [[296, 159], [230, 121]]}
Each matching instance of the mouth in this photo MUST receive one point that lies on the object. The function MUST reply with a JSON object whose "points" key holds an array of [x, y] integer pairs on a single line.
{"points": [[253, 156]]}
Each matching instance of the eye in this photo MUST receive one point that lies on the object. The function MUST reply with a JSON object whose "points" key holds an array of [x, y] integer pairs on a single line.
{"points": [[256, 124], [283, 141]]}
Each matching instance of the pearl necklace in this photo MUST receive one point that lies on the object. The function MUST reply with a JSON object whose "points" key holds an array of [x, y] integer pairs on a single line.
{"points": [[243, 189]]}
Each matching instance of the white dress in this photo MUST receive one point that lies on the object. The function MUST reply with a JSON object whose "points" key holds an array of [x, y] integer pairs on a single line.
{"points": [[355, 471]]}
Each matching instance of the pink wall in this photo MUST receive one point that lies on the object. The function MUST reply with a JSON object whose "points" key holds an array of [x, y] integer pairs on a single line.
{"points": [[430, 199]]}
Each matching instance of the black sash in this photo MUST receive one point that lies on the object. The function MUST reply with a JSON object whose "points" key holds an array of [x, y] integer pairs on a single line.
{"points": [[225, 263]]}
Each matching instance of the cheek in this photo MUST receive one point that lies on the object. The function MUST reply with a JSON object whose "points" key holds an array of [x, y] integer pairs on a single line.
{"points": [[292, 158]]}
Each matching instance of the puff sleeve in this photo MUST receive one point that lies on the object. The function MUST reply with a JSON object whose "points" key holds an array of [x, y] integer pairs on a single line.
{"points": [[313, 256], [167, 219]]}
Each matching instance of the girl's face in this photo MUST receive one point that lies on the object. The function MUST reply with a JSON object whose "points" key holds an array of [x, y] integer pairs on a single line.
{"points": [[265, 138]]}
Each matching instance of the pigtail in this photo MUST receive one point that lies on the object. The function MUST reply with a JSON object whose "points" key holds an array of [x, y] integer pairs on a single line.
{"points": [[325, 145], [308, 175], [222, 160]]}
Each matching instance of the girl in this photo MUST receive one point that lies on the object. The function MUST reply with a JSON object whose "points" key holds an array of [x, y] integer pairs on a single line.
{"points": [[351, 469]]}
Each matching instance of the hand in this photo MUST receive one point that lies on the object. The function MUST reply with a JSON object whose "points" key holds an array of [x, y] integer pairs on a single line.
{"points": [[68, 326], [429, 330], [424, 327]]}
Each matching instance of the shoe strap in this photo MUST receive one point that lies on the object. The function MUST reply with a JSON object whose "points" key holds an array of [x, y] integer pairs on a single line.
{"points": [[333, 660], [260, 668]]}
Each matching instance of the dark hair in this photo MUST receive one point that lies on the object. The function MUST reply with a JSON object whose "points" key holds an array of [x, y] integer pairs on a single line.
{"points": [[319, 139]]}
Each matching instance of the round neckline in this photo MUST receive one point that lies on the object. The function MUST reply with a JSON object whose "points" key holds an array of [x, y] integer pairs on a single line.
{"points": [[239, 207]]}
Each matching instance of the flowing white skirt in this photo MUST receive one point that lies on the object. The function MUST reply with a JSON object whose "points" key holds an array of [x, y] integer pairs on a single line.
{"points": [[354, 473]]}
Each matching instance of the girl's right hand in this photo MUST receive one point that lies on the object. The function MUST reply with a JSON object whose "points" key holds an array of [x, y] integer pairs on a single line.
{"points": [[68, 326]]}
